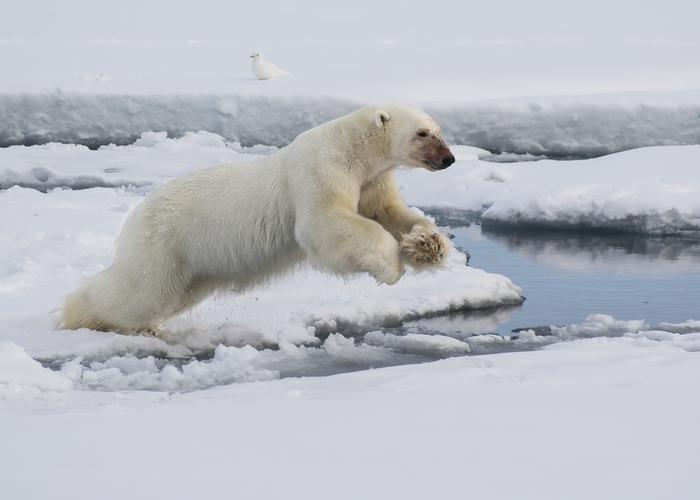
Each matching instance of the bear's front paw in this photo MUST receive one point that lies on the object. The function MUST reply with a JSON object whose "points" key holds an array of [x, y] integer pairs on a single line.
{"points": [[424, 247]]}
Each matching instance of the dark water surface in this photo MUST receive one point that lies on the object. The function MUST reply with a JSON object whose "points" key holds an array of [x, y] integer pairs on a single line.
{"points": [[567, 276]]}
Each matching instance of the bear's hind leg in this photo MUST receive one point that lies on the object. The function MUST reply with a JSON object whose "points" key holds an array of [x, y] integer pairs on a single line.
{"points": [[124, 300]]}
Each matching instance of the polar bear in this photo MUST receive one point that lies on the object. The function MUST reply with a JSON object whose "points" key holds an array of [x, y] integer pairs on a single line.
{"points": [[330, 197]]}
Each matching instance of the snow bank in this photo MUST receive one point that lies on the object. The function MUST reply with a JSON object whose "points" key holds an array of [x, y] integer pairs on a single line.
{"points": [[21, 377], [648, 190], [96, 120], [152, 160], [686, 327], [652, 190], [568, 130], [308, 302], [552, 129], [54, 238], [307, 323], [456, 339], [685, 336], [51, 241], [621, 412], [339, 354]]}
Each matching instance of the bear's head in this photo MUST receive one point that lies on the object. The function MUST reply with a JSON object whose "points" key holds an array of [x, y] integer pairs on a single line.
{"points": [[413, 139]]}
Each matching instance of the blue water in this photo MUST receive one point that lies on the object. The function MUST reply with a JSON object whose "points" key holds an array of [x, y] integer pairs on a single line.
{"points": [[566, 276]]}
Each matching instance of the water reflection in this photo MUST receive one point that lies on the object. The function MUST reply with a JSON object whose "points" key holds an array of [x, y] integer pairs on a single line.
{"points": [[464, 324], [617, 253]]}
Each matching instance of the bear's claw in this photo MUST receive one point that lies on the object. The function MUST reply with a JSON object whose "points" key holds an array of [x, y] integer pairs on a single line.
{"points": [[423, 247]]}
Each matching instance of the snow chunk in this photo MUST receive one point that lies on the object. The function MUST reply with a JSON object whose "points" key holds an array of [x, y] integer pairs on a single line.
{"points": [[229, 364], [309, 298], [418, 343], [21, 377], [689, 326], [597, 325]]}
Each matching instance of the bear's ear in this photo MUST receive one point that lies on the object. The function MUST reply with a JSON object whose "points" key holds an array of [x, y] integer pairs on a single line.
{"points": [[380, 118]]}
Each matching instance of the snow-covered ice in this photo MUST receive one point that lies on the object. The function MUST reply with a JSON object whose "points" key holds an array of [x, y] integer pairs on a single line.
{"points": [[365, 50], [602, 417], [238, 400], [22, 377], [513, 76], [52, 238], [648, 190], [573, 127], [56, 237], [152, 160]]}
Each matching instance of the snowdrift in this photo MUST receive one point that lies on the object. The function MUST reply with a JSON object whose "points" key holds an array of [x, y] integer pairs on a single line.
{"points": [[646, 191], [552, 129], [620, 411]]}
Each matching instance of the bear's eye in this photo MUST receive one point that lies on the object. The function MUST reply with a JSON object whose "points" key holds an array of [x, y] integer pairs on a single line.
{"points": [[422, 133]]}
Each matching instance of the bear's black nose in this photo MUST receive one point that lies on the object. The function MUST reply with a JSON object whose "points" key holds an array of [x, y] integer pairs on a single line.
{"points": [[448, 160]]}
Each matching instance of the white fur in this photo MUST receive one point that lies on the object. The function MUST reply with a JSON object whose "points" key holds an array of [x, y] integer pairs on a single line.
{"points": [[330, 197]]}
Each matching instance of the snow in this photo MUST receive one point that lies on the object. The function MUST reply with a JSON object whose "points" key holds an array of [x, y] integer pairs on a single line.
{"points": [[54, 238], [294, 389], [21, 377], [603, 417], [509, 77], [307, 322], [455, 52], [152, 160], [648, 190], [572, 127], [102, 119], [685, 327], [57, 237], [415, 342]]}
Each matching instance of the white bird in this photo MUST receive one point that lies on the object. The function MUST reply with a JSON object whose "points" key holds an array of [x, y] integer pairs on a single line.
{"points": [[264, 70]]}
